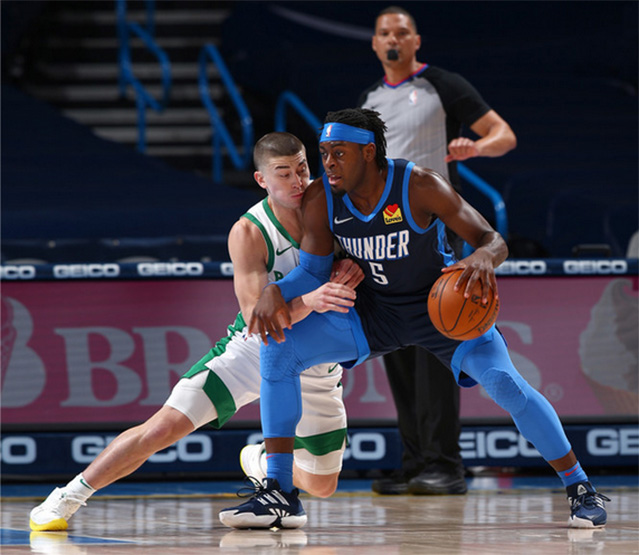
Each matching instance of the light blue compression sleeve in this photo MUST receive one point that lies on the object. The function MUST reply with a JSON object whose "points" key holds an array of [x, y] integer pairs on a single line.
{"points": [[312, 272], [487, 362]]}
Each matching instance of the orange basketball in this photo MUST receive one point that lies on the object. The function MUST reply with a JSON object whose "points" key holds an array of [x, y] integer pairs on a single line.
{"points": [[458, 317]]}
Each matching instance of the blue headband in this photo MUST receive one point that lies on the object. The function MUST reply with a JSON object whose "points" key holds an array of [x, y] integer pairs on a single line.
{"points": [[348, 133]]}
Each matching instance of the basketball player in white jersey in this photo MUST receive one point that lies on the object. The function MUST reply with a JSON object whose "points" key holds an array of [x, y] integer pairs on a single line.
{"points": [[264, 246]]}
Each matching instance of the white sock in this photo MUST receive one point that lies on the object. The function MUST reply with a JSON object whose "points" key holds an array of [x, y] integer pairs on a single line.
{"points": [[80, 487]]}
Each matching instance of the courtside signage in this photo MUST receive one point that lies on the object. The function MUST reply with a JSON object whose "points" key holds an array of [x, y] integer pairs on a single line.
{"points": [[514, 267], [207, 451], [101, 350]]}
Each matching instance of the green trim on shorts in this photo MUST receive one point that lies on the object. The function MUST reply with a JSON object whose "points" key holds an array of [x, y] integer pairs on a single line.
{"points": [[322, 444], [267, 239], [219, 349], [221, 398], [214, 387]]}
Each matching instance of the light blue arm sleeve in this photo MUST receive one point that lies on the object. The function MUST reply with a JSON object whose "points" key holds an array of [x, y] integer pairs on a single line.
{"points": [[312, 272]]}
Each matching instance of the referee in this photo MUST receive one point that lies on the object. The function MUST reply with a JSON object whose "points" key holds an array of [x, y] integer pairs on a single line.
{"points": [[424, 108]]}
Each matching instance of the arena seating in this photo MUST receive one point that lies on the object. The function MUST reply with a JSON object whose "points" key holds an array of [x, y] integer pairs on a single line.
{"points": [[68, 195], [567, 84]]}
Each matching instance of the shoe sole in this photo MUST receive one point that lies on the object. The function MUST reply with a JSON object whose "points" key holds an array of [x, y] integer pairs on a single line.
{"points": [[426, 490], [248, 520], [57, 525], [582, 523], [382, 491], [437, 492]]}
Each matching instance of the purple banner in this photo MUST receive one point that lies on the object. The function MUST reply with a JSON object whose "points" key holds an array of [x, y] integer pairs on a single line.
{"points": [[110, 351]]}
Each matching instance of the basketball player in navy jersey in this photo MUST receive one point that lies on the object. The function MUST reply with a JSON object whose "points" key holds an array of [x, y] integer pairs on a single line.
{"points": [[390, 216], [425, 108]]}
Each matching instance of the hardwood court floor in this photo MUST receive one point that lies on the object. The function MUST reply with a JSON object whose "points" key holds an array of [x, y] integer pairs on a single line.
{"points": [[497, 521]]}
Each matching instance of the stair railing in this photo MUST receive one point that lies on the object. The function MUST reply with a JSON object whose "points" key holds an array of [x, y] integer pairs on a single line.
{"points": [[288, 98], [220, 133], [499, 206], [143, 98]]}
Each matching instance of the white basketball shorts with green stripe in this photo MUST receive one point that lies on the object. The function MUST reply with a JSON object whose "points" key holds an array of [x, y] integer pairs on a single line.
{"points": [[228, 377]]}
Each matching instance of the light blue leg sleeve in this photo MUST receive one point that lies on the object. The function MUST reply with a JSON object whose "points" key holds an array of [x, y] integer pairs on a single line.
{"points": [[489, 365], [280, 406], [280, 394], [330, 337]]}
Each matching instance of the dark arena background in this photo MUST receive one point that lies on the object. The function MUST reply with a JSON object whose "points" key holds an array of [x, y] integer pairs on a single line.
{"points": [[127, 129]]}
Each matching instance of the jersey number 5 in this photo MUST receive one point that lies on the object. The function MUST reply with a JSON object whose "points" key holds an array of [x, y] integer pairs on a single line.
{"points": [[377, 270]]}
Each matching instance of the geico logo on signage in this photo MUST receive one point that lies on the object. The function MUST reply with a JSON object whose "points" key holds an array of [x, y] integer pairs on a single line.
{"points": [[22, 450], [495, 444], [18, 450], [70, 271], [609, 442], [604, 267], [192, 448], [366, 446], [25, 271], [521, 268], [170, 269], [498, 444], [510, 444]]}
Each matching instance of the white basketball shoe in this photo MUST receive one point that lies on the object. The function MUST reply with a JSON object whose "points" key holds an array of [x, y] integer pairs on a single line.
{"points": [[53, 514], [253, 460]]}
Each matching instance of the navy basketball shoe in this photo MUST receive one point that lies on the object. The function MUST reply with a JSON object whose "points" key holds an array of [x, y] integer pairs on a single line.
{"points": [[587, 507], [268, 507]]}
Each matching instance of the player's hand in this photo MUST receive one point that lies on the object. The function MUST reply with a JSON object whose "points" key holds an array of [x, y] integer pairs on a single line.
{"points": [[347, 272], [330, 296], [460, 149], [270, 315], [476, 267]]}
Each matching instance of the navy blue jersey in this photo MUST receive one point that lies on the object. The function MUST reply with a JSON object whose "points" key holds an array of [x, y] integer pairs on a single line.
{"points": [[400, 260]]}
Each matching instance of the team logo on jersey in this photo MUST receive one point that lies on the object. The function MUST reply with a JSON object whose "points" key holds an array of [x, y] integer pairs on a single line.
{"points": [[392, 214]]}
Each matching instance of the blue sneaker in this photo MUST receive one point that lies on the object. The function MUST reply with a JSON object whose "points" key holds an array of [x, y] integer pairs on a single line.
{"points": [[268, 507], [587, 508]]}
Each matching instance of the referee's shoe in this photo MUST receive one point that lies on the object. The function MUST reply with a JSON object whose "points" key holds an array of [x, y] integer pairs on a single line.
{"points": [[268, 507]]}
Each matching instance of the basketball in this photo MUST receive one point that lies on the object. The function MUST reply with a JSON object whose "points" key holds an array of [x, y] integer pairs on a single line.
{"points": [[456, 316]]}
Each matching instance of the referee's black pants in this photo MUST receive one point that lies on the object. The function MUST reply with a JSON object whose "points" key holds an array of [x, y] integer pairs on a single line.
{"points": [[427, 401]]}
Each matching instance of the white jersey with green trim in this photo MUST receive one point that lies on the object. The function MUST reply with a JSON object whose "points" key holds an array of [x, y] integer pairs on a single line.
{"points": [[228, 376], [283, 256], [283, 250]]}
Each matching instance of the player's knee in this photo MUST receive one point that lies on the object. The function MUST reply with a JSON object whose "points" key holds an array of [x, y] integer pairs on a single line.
{"points": [[321, 485], [505, 389], [276, 359], [159, 433], [158, 436]]}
